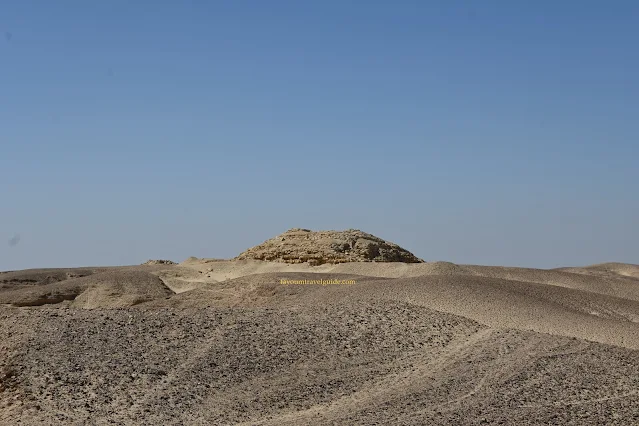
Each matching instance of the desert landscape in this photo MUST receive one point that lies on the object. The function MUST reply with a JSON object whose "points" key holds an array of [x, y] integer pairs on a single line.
{"points": [[248, 341]]}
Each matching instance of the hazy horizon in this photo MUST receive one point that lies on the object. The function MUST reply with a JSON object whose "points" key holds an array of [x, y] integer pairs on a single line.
{"points": [[496, 134]]}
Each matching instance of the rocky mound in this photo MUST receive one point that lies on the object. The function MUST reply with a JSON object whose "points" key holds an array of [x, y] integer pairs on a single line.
{"points": [[159, 262], [319, 247]]}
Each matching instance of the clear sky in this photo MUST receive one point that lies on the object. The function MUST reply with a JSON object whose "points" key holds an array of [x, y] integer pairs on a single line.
{"points": [[497, 132]]}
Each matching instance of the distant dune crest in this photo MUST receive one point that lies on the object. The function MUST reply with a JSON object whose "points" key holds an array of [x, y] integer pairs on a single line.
{"points": [[321, 247], [607, 269]]}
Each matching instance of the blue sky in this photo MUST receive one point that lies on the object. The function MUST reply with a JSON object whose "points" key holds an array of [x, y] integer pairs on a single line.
{"points": [[490, 132]]}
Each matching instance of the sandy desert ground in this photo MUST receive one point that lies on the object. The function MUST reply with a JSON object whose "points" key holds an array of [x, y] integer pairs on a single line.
{"points": [[224, 342]]}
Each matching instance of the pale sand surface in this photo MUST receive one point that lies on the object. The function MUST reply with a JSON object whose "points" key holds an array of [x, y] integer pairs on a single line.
{"points": [[224, 342]]}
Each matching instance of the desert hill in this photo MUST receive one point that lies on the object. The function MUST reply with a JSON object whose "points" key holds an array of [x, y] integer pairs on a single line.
{"points": [[214, 341], [159, 262]]}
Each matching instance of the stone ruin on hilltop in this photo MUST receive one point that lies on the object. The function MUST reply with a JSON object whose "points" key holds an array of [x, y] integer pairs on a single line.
{"points": [[319, 247], [159, 262]]}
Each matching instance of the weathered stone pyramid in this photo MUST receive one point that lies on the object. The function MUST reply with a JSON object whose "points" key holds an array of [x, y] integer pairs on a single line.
{"points": [[159, 262], [318, 247]]}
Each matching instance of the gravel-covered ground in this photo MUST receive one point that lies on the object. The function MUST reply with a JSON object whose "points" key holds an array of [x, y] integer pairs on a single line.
{"points": [[449, 349], [374, 363]]}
